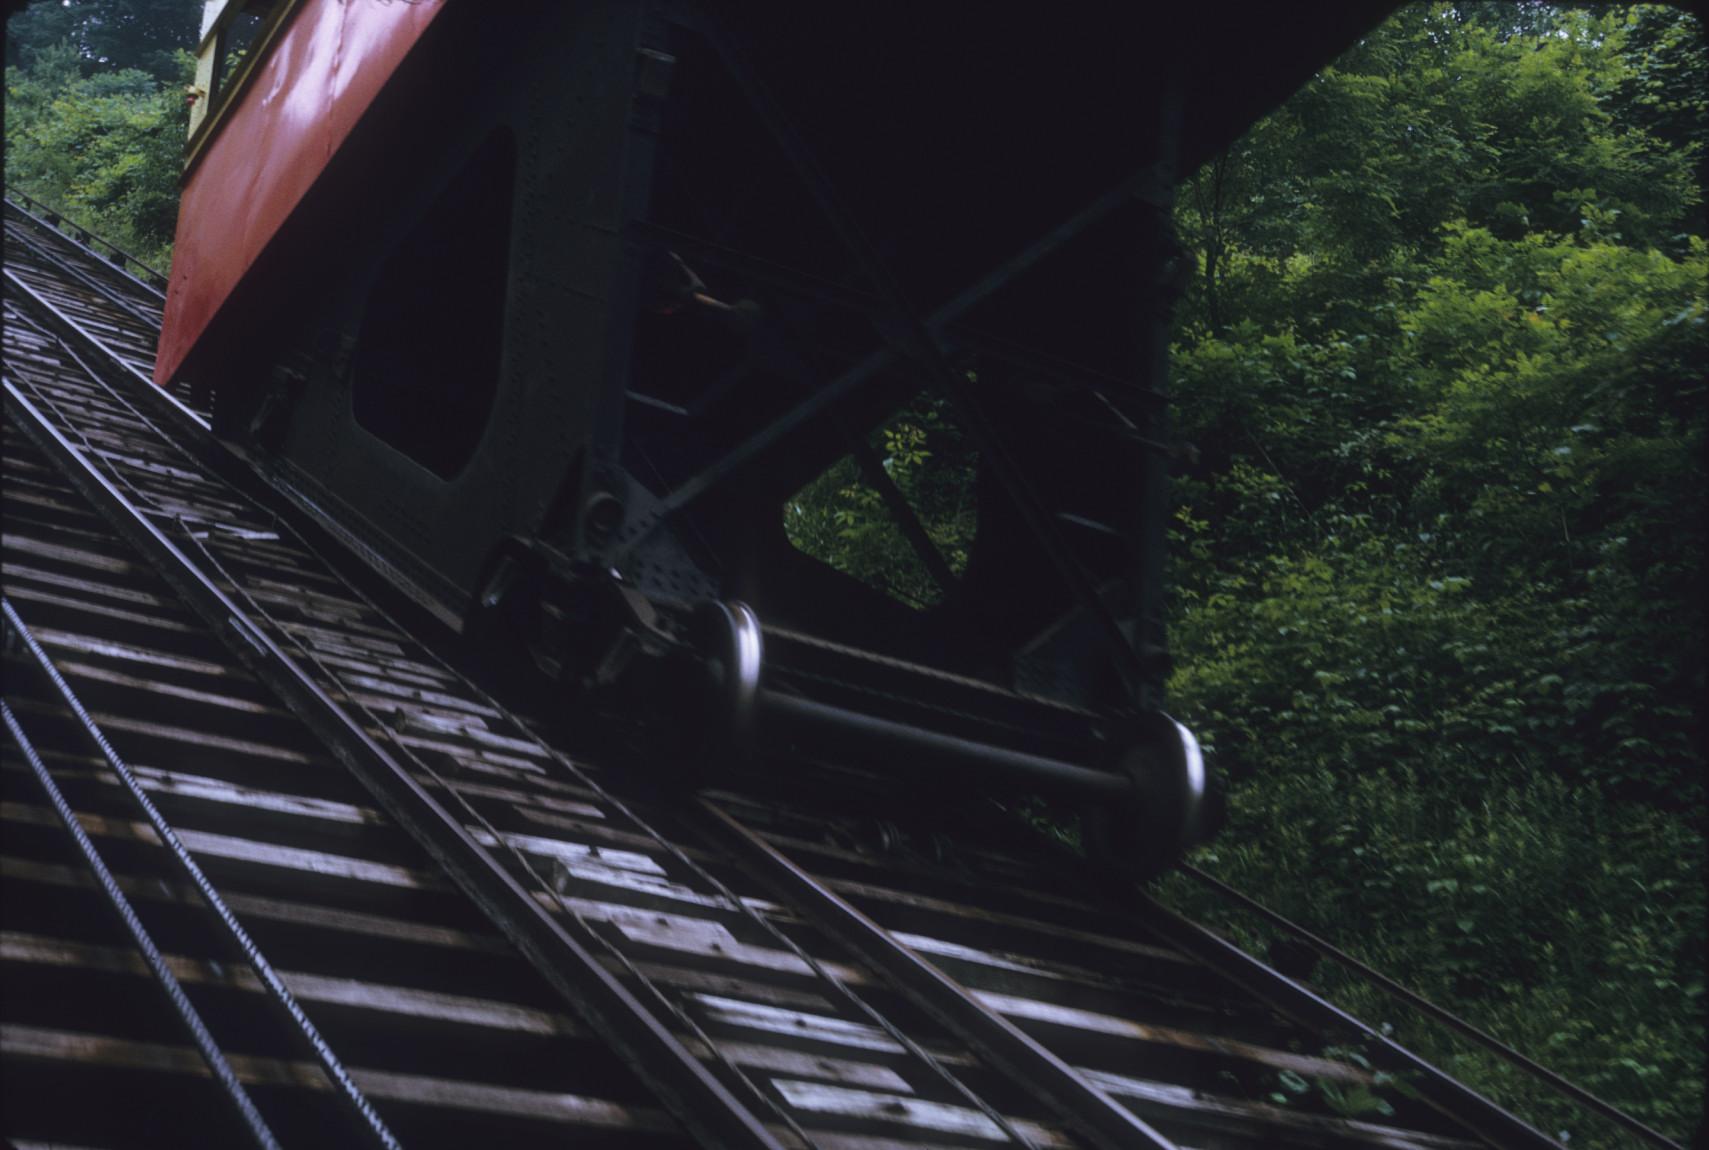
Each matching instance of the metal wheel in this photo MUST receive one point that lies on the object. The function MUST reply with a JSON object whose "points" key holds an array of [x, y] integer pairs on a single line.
{"points": [[1169, 809], [729, 634]]}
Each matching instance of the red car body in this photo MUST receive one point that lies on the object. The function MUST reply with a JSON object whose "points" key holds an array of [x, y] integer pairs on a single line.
{"points": [[319, 77]]}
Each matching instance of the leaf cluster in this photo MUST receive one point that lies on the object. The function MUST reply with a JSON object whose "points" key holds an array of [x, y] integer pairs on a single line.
{"points": [[841, 518], [1437, 577], [96, 116]]}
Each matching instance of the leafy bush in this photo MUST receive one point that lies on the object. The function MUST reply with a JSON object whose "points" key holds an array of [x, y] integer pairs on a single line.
{"points": [[1436, 582], [104, 147]]}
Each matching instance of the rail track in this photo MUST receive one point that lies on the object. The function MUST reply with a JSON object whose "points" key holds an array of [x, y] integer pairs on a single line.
{"points": [[384, 909]]}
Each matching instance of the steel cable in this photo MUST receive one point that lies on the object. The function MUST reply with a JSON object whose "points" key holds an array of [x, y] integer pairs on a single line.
{"points": [[736, 902], [1418, 1002], [206, 1045], [344, 1086], [237, 588]]}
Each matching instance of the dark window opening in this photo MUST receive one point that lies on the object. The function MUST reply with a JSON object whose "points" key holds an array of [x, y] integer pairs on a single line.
{"points": [[238, 39], [842, 518], [242, 28], [428, 354]]}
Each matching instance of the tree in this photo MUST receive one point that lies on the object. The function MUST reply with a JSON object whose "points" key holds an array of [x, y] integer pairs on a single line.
{"points": [[89, 133], [109, 35], [1436, 576]]}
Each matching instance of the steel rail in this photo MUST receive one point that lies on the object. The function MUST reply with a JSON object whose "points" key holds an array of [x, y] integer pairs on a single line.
{"points": [[15, 194], [1418, 1002], [565, 904], [206, 1045], [203, 441], [561, 950], [107, 293], [1318, 943], [256, 477], [266, 482], [343, 1085], [1046, 1077], [1481, 1115], [72, 331], [1007, 1125]]}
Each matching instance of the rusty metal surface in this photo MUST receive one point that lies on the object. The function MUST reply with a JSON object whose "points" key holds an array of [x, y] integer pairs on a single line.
{"points": [[446, 1027]]}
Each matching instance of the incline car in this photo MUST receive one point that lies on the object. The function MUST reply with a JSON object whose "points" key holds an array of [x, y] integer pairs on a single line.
{"points": [[557, 307]]}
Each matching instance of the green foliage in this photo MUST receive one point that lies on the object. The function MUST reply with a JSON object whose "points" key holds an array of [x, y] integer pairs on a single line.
{"points": [[841, 518], [94, 138], [1568, 926], [1435, 580], [1438, 117], [1436, 583], [108, 35]]}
